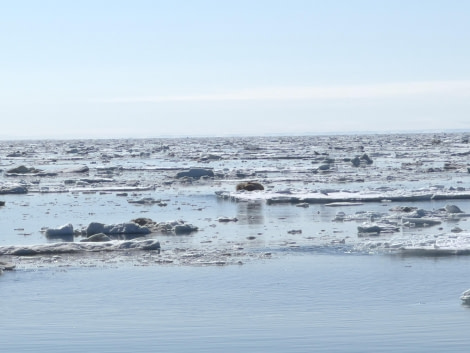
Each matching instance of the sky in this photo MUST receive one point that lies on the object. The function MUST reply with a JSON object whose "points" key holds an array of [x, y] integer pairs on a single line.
{"points": [[121, 69]]}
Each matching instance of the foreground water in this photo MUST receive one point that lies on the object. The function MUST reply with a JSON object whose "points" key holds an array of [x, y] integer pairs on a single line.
{"points": [[338, 253], [299, 303]]}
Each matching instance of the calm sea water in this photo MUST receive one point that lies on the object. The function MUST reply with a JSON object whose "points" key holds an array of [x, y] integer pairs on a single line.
{"points": [[297, 303]]}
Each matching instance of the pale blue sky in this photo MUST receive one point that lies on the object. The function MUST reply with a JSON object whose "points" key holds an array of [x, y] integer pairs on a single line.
{"points": [[152, 68]]}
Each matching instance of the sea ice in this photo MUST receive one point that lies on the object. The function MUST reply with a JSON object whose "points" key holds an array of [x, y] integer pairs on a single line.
{"points": [[67, 248], [64, 231], [465, 297], [113, 229], [13, 189]]}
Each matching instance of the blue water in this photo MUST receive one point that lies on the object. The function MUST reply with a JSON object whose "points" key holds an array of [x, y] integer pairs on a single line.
{"points": [[296, 303]]}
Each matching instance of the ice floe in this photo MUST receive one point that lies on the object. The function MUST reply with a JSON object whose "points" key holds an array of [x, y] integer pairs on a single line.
{"points": [[148, 201], [13, 189], [224, 219], [196, 173], [116, 229], [377, 228], [66, 248], [444, 244], [64, 231], [6, 266], [76, 169], [465, 296], [352, 197], [420, 222]]}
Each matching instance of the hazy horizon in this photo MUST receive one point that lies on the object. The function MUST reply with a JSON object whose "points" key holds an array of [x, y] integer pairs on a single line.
{"points": [[348, 133]]}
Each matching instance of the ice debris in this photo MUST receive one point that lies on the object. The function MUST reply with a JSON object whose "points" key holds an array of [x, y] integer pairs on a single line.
{"points": [[178, 227]]}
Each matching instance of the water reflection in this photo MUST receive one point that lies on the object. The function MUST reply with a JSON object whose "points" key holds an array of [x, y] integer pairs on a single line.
{"points": [[250, 212], [69, 238], [66, 238]]}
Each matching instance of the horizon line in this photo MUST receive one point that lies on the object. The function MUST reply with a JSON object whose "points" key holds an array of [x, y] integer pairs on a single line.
{"points": [[241, 135]]}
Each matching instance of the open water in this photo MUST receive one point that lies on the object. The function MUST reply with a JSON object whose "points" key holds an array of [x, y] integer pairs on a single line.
{"points": [[300, 303], [280, 278]]}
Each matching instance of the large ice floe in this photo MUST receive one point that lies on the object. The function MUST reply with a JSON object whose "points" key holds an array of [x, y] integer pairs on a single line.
{"points": [[70, 247]]}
